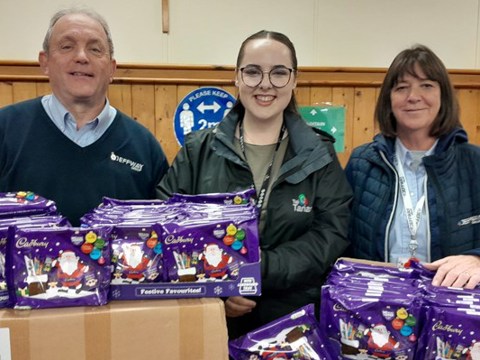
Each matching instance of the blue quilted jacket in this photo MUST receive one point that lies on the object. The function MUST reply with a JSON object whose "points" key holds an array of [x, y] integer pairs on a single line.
{"points": [[453, 192]]}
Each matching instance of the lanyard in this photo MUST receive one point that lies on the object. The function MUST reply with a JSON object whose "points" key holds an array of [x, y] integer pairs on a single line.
{"points": [[413, 215], [266, 180]]}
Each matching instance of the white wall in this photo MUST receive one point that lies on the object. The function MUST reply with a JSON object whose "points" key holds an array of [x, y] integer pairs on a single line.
{"points": [[353, 33]]}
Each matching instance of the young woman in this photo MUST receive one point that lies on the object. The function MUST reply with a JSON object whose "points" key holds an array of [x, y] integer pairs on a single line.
{"points": [[303, 195]]}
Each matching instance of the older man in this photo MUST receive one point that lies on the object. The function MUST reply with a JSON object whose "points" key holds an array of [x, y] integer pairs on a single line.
{"points": [[71, 146]]}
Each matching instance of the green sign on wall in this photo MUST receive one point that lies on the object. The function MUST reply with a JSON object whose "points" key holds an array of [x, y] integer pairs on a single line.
{"points": [[330, 119]]}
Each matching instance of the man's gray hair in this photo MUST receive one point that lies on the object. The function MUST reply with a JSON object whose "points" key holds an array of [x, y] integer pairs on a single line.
{"points": [[78, 10]]}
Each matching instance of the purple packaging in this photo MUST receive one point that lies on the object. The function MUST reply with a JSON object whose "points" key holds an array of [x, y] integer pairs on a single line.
{"points": [[136, 255], [450, 333], [377, 325], [294, 336], [107, 201], [208, 250], [451, 324], [372, 310], [346, 266], [245, 197], [25, 203], [213, 251], [58, 267], [21, 222]]}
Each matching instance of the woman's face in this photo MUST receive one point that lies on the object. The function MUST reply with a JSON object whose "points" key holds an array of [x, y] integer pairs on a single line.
{"points": [[265, 102], [415, 103]]}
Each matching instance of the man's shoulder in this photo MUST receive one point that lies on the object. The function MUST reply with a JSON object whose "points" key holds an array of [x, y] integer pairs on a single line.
{"points": [[26, 105]]}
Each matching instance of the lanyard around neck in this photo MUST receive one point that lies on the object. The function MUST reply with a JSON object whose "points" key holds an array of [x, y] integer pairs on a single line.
{"points": [[266, 180], [413, 215]]}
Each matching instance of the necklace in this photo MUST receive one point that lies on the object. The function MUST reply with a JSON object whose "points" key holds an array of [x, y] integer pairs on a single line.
{"points": [[266, 180]]}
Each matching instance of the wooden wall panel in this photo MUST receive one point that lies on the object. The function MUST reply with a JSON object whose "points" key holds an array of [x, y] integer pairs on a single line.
{"points": [[43, 88], [150, 93], [165, 105], [6, 93], [24, 91], [469, 113], [363, 123], [143, 105], [320, 95], [302, 95], [120, 96], [345, 97]]}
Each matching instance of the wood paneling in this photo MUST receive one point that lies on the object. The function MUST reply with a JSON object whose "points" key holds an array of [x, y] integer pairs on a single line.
{"points": [[150, 94]]}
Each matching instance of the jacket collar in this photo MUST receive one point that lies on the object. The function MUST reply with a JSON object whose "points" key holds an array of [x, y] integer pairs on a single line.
{"points": [[387, 144], [304, 148]]}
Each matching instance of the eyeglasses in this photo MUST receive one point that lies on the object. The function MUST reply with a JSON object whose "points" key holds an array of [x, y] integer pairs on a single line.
{"points": [[279, 76]]}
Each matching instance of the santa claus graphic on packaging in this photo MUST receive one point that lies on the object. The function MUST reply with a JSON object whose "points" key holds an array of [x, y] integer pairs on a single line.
{"points": [[134, 263], [380, 343], [215, 261], [70, 271], [473, 352]]}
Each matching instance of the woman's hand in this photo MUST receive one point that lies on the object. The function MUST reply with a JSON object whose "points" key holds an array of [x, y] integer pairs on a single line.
{"points": [[236, 306], [457, 271]]}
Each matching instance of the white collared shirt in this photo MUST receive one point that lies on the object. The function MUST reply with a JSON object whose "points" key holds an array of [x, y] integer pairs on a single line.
{"points": [[399, 231], [67, 124]]}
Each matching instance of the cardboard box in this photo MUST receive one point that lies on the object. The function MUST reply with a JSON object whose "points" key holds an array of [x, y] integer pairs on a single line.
{"points": [[133, 330]]}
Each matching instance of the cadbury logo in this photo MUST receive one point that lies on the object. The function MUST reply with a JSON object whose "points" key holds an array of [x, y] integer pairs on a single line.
{"points": [[170, 239], [448, 328], [24, 243]]}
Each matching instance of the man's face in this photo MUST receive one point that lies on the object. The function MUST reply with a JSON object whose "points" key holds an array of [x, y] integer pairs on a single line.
{"points": [[78, 62]]}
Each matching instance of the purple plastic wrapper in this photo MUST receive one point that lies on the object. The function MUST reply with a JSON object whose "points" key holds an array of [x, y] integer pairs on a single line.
{"points": [[245, 197], [181, 269], [450, 333], [294, 336], [136, 255], [346, 266], [372, 310], [208, 249], [134, 213], [58, 267], [363, 281], [107, 201], [43, 220], [21, 222], [382, 325], [25, 203]]}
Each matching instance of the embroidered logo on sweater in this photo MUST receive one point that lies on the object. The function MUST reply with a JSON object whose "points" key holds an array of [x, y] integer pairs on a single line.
{"points": [[470, 220], [301, 204], [133, 165]]}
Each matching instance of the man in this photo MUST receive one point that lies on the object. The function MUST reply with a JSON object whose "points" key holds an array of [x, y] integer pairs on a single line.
{"points": [[72, 146]]}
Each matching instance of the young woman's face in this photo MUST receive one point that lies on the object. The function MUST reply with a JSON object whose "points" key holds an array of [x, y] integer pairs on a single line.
{"points": [[265, 79]]}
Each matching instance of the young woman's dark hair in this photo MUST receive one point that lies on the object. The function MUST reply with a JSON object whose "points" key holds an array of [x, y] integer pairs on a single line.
{"points": [[404, 63]]}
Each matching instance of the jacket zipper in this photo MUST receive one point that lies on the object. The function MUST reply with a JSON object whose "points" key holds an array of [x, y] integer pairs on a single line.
{"points": [[390, 220], [395, 199], [427, 219]]}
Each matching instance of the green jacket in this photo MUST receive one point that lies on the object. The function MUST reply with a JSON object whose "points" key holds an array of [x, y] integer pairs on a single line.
{"points": [[307, 213]]}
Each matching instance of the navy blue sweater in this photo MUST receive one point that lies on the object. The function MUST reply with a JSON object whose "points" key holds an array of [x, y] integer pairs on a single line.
{"points": [[125, 163]]}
